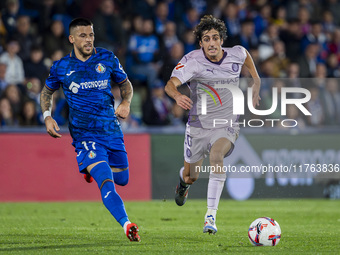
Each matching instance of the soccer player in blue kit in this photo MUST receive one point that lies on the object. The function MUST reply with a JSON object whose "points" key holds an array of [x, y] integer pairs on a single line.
{"points": [[85, 76]]}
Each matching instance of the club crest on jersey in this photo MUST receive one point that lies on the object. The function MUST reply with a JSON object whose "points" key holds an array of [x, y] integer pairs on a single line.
{"points": [[100, 68], [235, 67], [92, 155]]}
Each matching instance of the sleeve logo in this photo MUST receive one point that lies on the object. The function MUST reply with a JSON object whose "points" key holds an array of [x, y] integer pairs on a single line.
{"points": [[179, 65]]}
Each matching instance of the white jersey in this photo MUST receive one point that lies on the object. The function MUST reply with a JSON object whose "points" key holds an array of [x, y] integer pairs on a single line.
{"points": [[210, 84]]}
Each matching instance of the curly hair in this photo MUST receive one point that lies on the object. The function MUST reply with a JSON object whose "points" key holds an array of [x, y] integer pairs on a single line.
{"points": [[209, 22]]}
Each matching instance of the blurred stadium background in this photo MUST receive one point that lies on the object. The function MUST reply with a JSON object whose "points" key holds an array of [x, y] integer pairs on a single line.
{"points": [[295, 41]]}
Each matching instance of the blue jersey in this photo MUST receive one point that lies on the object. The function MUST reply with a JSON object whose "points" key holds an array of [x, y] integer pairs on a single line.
{"points": [[87, 88]]}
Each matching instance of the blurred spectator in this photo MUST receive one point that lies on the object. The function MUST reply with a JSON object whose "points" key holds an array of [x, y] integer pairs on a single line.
{"points": [[169, 36], [230, 17], [157, 106], [294, 113], [28, 116], [333, 45], [293, 74], [189, 21], [161, 17], [262, 19], [216, 8], [89, 8], [328, 25], [47, 10], [15, 69], [314, 36], [189, 41], [57, 54], [109, 31], [14, 95], [6, 113], [34, 66], [331, 102], [3, 82], [293, 71], [333, 66], [304, 17], [175, 55], [308, 61], [3, 35], [292, 39], [247, 38], [267, 39], [320, 77], [279, 59], [280, 18], [25, 36], [144, 54], [9, 15], [33, 89], [199, 5], [145, 8], [314, 106], [55, 39], [334, 7]]}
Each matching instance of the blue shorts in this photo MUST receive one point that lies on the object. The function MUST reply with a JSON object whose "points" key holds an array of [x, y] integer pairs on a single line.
{"points": [[89, 152]]}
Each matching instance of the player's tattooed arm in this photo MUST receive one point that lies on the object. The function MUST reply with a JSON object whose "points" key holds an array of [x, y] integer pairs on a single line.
{"points": [[126, 92], [46, 97]]}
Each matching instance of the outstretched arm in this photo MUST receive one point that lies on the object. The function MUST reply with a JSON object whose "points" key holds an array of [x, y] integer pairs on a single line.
{"points": [[249, 63], [171, 89], [126, 92], [46, 107]]}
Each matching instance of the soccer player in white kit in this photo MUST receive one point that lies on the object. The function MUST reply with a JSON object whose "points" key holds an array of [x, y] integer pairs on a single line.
{"points": [[210, 72]]}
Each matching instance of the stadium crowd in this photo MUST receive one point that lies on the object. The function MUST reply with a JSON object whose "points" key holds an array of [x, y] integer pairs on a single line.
{"points": [[293, 43]]}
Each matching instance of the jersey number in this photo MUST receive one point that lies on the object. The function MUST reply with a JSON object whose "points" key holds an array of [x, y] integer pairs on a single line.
{"points": [[91, 144]]}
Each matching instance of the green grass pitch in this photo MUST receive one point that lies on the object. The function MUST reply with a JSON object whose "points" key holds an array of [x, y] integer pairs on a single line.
{"points": [[308, 227]]}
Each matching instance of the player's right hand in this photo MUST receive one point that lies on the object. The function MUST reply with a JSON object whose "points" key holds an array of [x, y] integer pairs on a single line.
{"points": [[183, 101], [52, 127]]}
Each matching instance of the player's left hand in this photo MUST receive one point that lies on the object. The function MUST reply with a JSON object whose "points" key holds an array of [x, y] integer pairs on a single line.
{"points": [[123, 110], [256, 96]]}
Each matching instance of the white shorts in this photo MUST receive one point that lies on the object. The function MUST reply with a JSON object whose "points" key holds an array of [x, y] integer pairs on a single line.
{"points": [[198, 141]]}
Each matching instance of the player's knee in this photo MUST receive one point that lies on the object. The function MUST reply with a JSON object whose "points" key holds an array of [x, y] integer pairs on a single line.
{"points": [[121, 178], [102, 174], [216, 158]]}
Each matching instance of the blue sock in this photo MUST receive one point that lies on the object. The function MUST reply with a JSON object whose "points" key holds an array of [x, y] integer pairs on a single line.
{"points": [[121, 178], [102, 174]]}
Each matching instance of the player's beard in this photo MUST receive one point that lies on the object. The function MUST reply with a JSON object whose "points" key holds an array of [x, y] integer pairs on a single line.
{"points": [[84, 52]]}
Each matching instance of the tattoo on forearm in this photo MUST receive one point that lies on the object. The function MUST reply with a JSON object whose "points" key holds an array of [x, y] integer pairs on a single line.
{"points": [[46, 99], [126, 91]]}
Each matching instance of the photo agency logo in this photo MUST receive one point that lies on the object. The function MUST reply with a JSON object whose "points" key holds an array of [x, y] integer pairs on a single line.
{"points": [[230, 96]]}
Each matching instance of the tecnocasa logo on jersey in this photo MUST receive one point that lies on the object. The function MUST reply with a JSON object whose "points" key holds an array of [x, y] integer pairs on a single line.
{"points": [[74, 87]]}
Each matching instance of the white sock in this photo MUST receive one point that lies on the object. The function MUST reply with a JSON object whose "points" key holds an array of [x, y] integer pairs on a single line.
{"points": [[182, 179], [125, 225], [211, 212], [215, 187], [181, 173]]}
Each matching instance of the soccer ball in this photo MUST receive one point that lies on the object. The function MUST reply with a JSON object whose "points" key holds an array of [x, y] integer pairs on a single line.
{"points": [[264, 231]]}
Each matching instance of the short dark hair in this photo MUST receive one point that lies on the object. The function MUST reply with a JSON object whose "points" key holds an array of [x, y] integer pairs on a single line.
{"points": [[79, 22], [209, 22]]}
